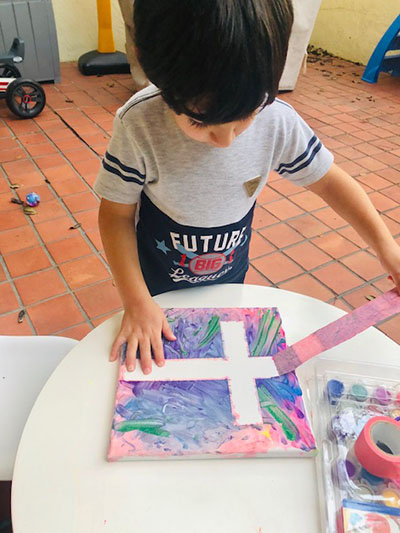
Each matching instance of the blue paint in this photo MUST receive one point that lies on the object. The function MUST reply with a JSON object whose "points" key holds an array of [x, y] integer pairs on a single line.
{"points": [[334, 391], [372, 480], [195, 417]]}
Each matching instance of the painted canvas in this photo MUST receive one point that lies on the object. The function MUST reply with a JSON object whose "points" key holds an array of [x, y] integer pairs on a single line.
{"points": [[214, 397]]}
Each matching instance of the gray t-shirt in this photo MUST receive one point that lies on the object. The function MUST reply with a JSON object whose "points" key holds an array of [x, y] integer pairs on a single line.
{"points": [[200, 190]]}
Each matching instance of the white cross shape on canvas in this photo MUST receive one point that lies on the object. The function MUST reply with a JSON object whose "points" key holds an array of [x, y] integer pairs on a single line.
{"points": [[237, 367]]}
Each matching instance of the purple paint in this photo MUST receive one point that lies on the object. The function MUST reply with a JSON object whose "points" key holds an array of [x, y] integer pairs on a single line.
{"points": [[350, 469], [195, 418], [382, 396]]}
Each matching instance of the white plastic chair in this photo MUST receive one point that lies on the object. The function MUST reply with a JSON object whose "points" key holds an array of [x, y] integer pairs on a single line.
{"points": [[25, 365]]}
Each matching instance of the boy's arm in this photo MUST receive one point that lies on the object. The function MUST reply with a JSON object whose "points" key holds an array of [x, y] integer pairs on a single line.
{"points": [[341, 192], [143, 321]]}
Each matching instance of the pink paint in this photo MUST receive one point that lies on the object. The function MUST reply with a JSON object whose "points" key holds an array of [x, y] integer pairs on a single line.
{"points": [[197, 417]]}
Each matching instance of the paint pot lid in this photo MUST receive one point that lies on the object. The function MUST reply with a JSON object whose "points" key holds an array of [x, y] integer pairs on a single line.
{"points": [[372, 480], [350, 468], [391, 497], [359, 392], [334, 388], [382, 396]]}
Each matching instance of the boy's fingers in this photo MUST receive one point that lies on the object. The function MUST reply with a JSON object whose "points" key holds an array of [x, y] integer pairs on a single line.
{"points": [[396, 280], [131, 352], [116, 348], [158, 351], [167, 331], [145, 355]]}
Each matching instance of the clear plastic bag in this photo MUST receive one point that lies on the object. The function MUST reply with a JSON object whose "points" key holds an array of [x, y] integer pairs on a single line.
{"points": [[344, 397]]}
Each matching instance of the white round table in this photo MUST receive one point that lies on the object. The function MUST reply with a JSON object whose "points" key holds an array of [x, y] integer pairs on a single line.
{"points": [[63, 483]]}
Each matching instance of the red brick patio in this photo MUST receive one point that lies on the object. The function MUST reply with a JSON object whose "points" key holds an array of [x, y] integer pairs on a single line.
{"points": [[52, 264]]}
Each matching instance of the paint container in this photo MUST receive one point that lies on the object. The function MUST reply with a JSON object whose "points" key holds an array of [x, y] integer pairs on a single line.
{"points": [[359, 489], [395, 414], [344, 424], [338, 428], [382, 396], [352, 469], [372, 480], [352, 465], [338, 473], [391, 497], [364, 492], [396, 394], [358, 392], [334, 430], [377, 410], [344, 475], [334, 391]]}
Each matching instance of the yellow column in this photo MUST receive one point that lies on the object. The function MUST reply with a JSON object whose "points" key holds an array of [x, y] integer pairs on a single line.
{"points": [[106, 42]]}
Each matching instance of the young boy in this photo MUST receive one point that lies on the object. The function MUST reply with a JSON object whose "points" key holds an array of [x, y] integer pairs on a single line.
{"points": [[194, 150]]}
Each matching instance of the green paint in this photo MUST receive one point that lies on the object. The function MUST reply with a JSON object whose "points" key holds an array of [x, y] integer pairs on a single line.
{"points": [[283, 420], [261, 335], [183, 351], [156, 431], [213, 327], [262, 340], [147, 426], [358, 392], [264, 332], [278, 325], [267, 402]]}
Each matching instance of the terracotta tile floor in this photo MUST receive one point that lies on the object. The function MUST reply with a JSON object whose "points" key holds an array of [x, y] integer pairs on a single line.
{"points": [[52, 263]]}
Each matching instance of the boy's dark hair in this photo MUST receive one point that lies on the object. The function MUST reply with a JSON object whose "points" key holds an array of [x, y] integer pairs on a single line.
{"points": [[214, 60]]}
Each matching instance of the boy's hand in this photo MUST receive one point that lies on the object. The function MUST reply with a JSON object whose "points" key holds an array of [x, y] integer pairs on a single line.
{"points": [[141, 329], [390, 260]]}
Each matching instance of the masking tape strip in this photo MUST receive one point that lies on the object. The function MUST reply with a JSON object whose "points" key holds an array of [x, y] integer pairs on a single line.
{"points": [[336, 332]]}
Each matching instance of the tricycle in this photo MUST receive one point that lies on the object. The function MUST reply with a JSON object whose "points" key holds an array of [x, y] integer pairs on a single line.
{"points": [[24, 97]]}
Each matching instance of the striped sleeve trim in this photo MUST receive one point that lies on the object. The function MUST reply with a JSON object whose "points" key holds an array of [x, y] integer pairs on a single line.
{"points": [[113, 164], [135, 101], [305, 159]]}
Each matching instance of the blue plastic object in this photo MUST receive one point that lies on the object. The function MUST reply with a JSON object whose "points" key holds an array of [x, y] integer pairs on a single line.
{"points": [[379, 61], [32, 199]]}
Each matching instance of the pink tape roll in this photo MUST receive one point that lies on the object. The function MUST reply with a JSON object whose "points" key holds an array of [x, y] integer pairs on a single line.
{"points": [[378, 447]]}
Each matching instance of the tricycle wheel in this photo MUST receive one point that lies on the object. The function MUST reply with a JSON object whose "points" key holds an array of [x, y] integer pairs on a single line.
{"points": [[25, 98], [9, 71]]}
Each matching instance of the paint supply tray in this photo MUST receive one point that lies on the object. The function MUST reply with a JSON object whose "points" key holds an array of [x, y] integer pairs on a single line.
{"points": [[356, 419]]}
